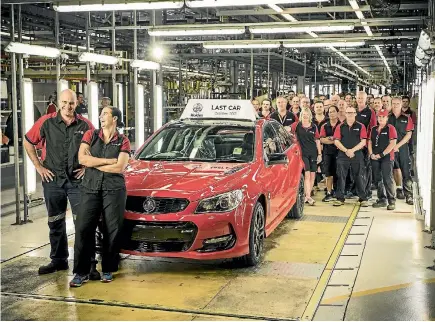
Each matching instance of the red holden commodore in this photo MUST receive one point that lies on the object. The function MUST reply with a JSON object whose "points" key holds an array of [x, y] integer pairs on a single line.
{"points": [[212, 185]]}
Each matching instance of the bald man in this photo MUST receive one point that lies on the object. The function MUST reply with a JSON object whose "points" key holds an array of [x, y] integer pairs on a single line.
{"points": [[335, 99], [60, 171]]}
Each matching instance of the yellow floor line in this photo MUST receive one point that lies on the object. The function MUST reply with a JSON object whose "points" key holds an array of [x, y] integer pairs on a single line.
{"points": [[378, 290], [312, 305]]}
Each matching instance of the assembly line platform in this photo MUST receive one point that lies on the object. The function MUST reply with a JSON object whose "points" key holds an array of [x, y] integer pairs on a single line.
{"points": [[333, 264]]}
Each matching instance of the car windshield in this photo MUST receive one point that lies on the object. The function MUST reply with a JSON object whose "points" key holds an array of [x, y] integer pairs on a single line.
{"points": [[201, 142]]}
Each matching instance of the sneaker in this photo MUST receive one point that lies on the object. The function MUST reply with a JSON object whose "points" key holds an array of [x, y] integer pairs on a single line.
{"points": [[338, 203], [94, 275], [391, 206], [328, 197], [364, 203], [400, 194], [79, 280], [379, 204], [311, 201], [107, 278], [409, 200], [53, 267]]}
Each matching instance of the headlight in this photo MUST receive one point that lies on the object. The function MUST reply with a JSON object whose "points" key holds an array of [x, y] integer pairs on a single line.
{"points": [[221, 203]]}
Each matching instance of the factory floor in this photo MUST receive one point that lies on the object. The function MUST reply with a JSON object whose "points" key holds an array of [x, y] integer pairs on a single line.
{"points": [[341, 263]]}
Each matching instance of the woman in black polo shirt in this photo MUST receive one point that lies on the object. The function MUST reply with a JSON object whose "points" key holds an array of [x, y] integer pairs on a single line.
{"points": [[383, 138], [105, 155], [308, 137]]}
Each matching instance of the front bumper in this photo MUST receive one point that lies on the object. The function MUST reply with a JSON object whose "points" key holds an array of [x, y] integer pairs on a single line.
{"points": [[194, 236]]}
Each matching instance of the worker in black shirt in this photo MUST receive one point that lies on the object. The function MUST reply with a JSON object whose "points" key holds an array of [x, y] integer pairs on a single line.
{"points": [[319, 119], [402, 163], [308, 137], [330, 152], [105, 154], [295, 106], [81, 107], [382, 140], [367, 117], [283, 116], [350, 138], [266, 106], [406, 109]]}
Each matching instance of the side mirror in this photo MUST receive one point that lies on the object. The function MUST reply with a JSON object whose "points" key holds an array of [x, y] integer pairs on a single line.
{"points": [[277, 158]]}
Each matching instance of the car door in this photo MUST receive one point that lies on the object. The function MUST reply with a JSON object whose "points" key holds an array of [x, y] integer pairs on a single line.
{"points": [[274, 175], [288, 184]]}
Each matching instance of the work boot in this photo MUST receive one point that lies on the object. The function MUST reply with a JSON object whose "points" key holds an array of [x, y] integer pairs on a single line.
{"points": [[409, 200], [53, 267], [94, 275], [400, 194], [379, 204], [391, 206]]}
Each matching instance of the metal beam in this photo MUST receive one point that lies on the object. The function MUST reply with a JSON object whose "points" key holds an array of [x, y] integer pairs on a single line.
{"points": [[302, 10]]}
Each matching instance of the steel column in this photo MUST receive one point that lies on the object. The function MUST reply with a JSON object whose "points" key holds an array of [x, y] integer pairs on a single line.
{"points": [[268, 72], [15, 123], [114, 94], [283, 69], [135, 81], [56, 38], [251, 76]]}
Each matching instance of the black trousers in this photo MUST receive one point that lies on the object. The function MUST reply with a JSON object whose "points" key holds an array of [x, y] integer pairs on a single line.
{"points": [[112, 205], [357, 166], [56, 199], [402, 161], [368, 173], [384, 180]]}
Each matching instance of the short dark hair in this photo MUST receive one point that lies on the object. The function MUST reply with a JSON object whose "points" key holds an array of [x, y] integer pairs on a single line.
{"points": [[405, 97], [79, 93], [334, 107], [266, 99], [117, 112]]}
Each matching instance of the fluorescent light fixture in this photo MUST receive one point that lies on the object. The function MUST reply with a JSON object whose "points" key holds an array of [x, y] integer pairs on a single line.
{"points": [[93, 104], [368, 31], [33, 50], [378, 48], [202, 31], [324, 44], [275, 7], [97, 58], [232, 3], [139, 117], [145, 64], [359, 14], [424, 41], [287, 29], [354, 4], [419, 53], [7, 34], [244, 44], [158, 107], [289, 17], [104, 6], [29, 120]]}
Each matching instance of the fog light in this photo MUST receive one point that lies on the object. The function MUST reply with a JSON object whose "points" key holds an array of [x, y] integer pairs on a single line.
{"points": [[221, 239]]}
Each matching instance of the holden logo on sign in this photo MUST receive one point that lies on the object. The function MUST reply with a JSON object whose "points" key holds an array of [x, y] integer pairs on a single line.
{"points": [[197, 107], [149, 205]]}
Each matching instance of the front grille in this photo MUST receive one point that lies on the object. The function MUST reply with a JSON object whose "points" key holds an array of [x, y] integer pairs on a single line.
{"points": [[153, 237], [162, 205]]}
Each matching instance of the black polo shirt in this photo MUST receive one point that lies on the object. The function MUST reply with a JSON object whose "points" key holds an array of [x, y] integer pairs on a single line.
{"points": [[350, 136], [321, 123], [381, 138], [367, 117], [81, 109], [307, 137], [287, 120], [326, 131], [403, 124], [412, 115], [62, 143], [94, 179]]}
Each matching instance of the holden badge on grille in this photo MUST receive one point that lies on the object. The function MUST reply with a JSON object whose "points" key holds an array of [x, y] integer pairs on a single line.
{"points": [[149, 205]]}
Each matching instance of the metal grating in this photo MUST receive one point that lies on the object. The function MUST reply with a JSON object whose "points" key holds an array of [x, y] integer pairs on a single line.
{"points": [[330, 219]]}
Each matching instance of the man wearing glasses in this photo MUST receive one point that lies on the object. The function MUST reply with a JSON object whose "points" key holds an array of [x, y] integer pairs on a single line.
{"points": [[350, 138]]}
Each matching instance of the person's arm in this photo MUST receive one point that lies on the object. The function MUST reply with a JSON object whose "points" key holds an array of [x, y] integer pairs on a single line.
{"points": [[337, 139], [119, 166], [370, 148], [323, 138], [389, 148], [85, 157]]}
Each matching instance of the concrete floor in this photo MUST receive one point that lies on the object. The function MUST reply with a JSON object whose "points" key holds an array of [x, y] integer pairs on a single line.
{"points": [[389, 283]]}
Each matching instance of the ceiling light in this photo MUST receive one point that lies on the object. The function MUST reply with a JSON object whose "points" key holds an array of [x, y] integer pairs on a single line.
{"points": [[359, 14], [424, 42], [325, 44], [145, 64], [354, 4], [162, 32], [97, 58], [7, 34], [246, 45], [276, 30], [232, 3], [148, 5], [20, 48], [157, 53], [289, 17], [368, 31], [275, 7]]}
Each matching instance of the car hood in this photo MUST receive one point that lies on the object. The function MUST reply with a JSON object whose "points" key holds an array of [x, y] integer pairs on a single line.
{"points": [[195, 180]]}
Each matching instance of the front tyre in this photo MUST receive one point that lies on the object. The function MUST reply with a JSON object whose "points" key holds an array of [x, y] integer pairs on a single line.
{"points": [[256, 238], [297, 210]]}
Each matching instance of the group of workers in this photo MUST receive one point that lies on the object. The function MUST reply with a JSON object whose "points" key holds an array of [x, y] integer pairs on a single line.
{"points": [[85, 166], [358, 144]]}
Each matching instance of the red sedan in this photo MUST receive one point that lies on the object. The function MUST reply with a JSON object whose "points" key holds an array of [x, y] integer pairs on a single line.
{"points": [[212, 189]]}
